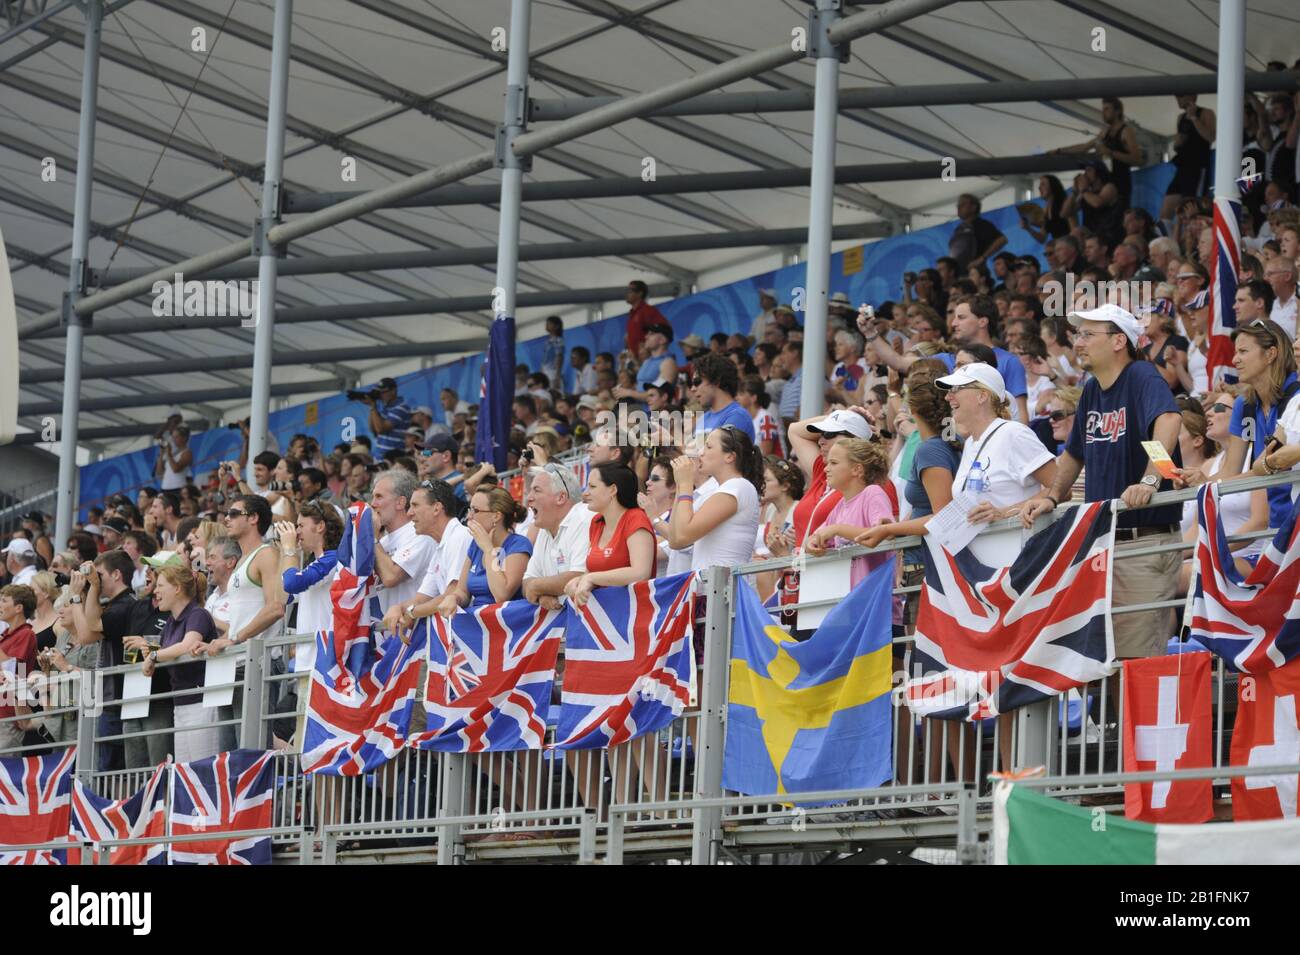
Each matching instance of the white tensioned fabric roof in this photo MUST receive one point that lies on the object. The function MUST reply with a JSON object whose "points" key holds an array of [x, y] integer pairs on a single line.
{"points": [[441, 50]]}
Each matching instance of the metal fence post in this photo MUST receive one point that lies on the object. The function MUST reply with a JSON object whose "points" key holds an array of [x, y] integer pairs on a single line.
{"points": [[251, 732], [968, 847], [451, 802], [1033, 739], [707, 823], [87, 717], [587, 837]]}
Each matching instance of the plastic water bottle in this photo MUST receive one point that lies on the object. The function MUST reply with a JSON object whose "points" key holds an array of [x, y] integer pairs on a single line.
{"points": [[975, 483]]}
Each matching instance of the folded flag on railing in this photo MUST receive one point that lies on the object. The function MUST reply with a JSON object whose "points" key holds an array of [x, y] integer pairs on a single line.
{"points": [[989, 641], [1167, 726], [627, 662], [354, 731], [1253, 623], [362, 691], [813, 715], [35, 806], [228, 792], [1032, 829], [96, 818], [491, 673], [1266, 732]]}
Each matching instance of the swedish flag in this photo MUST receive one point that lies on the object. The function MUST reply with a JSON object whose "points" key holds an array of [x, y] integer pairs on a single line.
{"points": [[812, 715]]}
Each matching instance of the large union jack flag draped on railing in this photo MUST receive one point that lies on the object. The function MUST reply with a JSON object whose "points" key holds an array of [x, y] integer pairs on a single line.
{"points": [[229, 792], [627, 662], [989, 641], [1253, 623], [491, 674], [35, 806], [1225, 266], [362, 691], [96, 818]]}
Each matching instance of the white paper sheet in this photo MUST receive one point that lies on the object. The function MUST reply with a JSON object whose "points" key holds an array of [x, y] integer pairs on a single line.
{"points": [[220, 669], [826, 581], [135, 685], [950, 526]]}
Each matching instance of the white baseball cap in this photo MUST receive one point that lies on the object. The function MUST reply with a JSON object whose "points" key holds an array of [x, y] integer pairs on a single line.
{"points": [[843, 421], [424, 410], [976, 373], [1120, 318], [19, 545]]}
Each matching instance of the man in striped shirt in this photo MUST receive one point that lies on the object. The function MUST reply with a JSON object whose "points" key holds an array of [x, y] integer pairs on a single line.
{"points": [[390, 416]]}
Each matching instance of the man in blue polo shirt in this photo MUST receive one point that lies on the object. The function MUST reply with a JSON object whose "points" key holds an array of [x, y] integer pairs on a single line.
{"points": [[714, 387], [390, 416], [1125, 402]]}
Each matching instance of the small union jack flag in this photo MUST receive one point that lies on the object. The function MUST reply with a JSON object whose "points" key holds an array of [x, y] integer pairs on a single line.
{"points": [[1225, 266], [1252, 623], [491, 673], [227, 793], [628, 667], [989, 641], [35, 806], [96, 818]]}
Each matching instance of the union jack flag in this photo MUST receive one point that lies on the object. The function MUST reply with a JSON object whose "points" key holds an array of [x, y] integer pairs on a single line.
{"points": [[989, 641], [491, 673], [359, 704], [35, 806], [582, 469], [227, 793], [627, 664], [1252, 623], [1225, 266], [96, 818]]}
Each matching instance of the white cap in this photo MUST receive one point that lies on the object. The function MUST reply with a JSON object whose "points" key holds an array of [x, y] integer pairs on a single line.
{"points": [[768, 292], [841, 298], [462, 407], [1120, 318], [424, 410], [19, 545], [976, 373], [843, 421], [589, 401], [175, 412]]}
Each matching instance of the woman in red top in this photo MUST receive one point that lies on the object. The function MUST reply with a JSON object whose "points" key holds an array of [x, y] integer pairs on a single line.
{"points": [[622, 537]]}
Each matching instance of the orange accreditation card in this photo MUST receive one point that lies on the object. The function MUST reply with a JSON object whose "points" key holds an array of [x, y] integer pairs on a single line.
{"points": [[1160, 458]]}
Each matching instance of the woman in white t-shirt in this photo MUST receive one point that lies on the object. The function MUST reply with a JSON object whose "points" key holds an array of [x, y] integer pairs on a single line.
{"points": [[722, 524], [1014, 462]]}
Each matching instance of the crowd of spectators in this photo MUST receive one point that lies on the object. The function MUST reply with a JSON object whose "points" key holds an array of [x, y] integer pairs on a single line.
{"points": [[1019, 382]]}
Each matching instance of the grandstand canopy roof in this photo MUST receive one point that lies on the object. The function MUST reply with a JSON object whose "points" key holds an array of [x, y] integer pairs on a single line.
{"points": [[350, 56]]}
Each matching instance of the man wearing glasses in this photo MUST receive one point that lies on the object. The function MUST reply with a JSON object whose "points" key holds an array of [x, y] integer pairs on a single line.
{"points": [[1281, 277], [563, 538]]}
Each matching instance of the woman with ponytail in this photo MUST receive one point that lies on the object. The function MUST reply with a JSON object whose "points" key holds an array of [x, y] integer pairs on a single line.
{"points": [[723, 522], [753, 397]]}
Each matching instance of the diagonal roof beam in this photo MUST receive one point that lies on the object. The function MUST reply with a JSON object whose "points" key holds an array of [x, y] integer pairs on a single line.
{"points": [[1146, 31], [317, 134], [713, 53], [570, 81]]}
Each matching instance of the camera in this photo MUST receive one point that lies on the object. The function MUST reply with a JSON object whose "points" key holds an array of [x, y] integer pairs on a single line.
{"points": [[355, 395], [526, 455], [236, 425], [909, 277], [280, 486], [62, 579], [375, 468]]}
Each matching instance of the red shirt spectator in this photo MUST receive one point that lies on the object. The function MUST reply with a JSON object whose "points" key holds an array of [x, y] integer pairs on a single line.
{"points": [[641, 317], [816, 504], [615, 554], [19, 643]]}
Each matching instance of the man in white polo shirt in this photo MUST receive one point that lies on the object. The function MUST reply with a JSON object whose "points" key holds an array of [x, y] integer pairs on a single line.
{"points": [[433, 509], [563, 536], [403, 556], [20, 560]]}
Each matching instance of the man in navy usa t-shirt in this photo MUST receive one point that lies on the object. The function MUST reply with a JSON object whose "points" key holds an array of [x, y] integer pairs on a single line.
{"points": [[1125, 403]]}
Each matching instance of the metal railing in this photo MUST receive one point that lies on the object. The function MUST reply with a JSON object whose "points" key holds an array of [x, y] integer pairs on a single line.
{"points": [[659, 795]]}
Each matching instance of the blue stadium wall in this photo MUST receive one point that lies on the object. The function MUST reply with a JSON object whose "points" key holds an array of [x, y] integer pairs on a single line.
{"points": [[868, 273]]}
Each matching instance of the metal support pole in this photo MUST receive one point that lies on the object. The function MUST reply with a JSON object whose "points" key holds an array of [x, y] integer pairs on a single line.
{"points": [[1232, 91], [264, 336], [512, 171], [65, 501], [451, 803], [707, 823], [252, 734], [812, 393]]}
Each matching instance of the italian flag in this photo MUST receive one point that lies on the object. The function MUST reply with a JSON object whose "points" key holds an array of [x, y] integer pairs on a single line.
{"points": [[1032, 829]]}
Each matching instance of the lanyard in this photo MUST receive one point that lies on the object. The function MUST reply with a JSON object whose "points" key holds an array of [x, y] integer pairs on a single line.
{"points": [[979, 450]]}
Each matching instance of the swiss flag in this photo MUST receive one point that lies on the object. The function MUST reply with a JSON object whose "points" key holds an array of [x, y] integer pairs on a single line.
{"points": [[1267, 733], [1167, 725]]}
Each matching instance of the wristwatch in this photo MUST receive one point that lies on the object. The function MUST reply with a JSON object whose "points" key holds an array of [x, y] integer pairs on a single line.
{"points": [[409, 611], [1151, 481], [75, 599]]}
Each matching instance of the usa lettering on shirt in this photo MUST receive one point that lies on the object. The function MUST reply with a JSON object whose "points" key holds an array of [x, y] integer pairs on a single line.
{"points": [[1108, 426]]}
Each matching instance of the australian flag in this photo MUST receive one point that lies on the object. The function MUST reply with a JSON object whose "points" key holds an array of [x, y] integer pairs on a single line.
{"points": [[989, 641], [497, 394], [1252, 623], [35, 806], [359, 706], [628, 667], [491, 674], [1225, 266], [96, 818], [227, 793]]}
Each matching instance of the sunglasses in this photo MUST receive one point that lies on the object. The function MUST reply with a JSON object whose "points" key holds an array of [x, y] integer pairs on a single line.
{"points": [[232, 513], [697, 381], [1220, 408], [652, 478], [1060, 415]]}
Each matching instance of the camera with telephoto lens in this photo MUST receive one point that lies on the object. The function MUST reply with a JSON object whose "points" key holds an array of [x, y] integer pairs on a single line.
{"points": [[373, 395], [280, 486]]}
